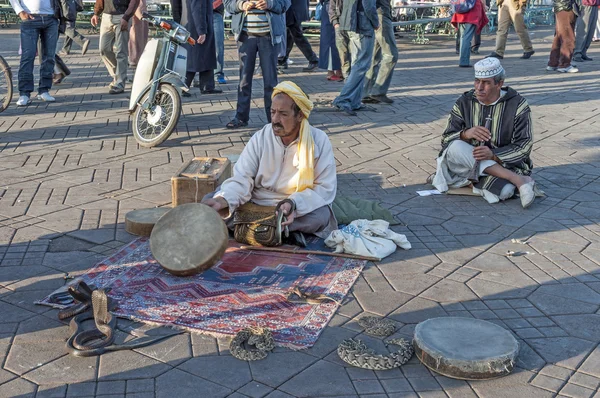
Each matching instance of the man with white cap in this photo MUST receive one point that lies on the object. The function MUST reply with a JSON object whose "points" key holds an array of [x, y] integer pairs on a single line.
{"points": [[489, 134], [287, 160]]}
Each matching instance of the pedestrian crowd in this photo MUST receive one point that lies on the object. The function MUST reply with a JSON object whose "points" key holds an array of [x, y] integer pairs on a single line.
{"points": [[357, 42]]}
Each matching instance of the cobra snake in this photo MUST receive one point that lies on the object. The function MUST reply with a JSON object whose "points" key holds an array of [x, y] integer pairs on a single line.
{"points": [[356, 353], [260, 338]]}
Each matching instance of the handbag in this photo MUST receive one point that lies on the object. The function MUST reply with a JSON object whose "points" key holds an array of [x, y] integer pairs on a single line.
{"points": [[462, 6], [259, 225]]}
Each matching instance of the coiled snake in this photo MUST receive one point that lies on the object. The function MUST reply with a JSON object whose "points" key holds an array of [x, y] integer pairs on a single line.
{"points": [[356, 353], [260, 338]]}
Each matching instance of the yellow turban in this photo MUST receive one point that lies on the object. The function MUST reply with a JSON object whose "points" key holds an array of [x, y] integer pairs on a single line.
{"points": [[306, 144]]}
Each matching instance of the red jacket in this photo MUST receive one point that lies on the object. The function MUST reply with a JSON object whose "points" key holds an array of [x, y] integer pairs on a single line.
{"points": [[475, 16]]}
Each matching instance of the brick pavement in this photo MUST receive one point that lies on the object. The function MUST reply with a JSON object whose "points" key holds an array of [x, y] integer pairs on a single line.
{"points": [[70, 171]]}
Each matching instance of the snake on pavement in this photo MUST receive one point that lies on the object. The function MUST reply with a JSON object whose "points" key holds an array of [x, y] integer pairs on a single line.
{"points": [[377, 326], [356, 353], [260, 338]]}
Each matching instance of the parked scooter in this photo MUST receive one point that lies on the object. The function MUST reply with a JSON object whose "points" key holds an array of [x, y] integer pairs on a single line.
{"points": [[158, 82]]}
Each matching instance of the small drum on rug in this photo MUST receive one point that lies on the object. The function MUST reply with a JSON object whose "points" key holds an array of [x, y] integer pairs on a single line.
{"points": [[465, 348], [141, 222], [189, 239]]}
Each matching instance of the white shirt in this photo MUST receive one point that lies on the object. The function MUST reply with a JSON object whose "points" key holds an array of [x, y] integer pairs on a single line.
{"points": [[267, 172], [33, 6]]}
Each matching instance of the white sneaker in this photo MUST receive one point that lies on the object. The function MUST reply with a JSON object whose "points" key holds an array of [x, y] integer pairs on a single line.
{"points": [[23, 100], [46, 97], [551, 68], [568, 69]]}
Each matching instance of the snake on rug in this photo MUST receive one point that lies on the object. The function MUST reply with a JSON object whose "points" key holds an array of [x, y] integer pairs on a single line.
{"points": [[356, 353], [260, 338], [377, 326], [298, 296]]}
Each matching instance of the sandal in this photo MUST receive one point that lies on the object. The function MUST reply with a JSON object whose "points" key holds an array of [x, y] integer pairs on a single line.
{"points": [[429, 179], [236, 124]]}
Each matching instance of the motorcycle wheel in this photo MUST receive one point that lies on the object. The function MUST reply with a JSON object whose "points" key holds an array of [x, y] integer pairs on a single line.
{"points": [[151, 127]]}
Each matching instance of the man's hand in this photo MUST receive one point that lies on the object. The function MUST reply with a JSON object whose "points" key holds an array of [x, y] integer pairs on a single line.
{"points": [[201, 39], [483, 153], [24, 16], [478, 133], [248, 5], [94, 20], [285, 208], [261, 4], [124, 25], [336, 26], [216, 203]]}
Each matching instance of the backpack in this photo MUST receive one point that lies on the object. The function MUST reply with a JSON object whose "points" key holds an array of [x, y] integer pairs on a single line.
{"points": [[462, 6]]}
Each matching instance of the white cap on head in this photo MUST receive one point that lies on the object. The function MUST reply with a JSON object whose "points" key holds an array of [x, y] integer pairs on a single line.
{"points": [[488, 67]]}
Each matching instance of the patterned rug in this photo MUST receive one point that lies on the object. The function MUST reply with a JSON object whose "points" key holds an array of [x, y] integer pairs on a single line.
{"points": [[246, 288]]}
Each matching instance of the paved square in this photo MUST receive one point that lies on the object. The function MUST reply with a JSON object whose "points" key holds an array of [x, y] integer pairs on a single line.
{"points": [[70, 171]]}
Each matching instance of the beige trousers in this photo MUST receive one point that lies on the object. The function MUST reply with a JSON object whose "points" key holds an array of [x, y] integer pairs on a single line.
{"points": [[508, 13], [138, 34], [113, 48]]}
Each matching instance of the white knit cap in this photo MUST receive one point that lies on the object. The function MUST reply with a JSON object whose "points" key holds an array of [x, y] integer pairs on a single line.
{"points": [[488, 67]]}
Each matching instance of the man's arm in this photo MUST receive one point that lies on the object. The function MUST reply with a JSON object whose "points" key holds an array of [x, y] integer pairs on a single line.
{"points": [[16, 5], [278, 6], [522, 141], [99, 7], [133, 5], [233, 6], [198, 10], [237, 190], [176, 7], [370, 7], [335, 10], [454, 127], [324, 188]]}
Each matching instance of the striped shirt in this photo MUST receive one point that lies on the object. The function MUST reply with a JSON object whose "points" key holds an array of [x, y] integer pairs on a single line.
{"points": [[256, 23]]}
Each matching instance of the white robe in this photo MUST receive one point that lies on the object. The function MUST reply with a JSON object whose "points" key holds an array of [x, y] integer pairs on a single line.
{"points": [[267, 172]]}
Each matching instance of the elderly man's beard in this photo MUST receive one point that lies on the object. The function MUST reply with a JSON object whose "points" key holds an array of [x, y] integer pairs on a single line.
{"points": [[279, 130]]}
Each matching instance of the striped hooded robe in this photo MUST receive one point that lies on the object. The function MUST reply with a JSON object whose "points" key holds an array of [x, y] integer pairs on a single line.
{"points": [[511, 129]]}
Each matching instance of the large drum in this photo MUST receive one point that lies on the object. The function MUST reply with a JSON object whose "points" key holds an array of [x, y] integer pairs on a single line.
{"points": [[465, 348], [189, 239], [141, 222]]}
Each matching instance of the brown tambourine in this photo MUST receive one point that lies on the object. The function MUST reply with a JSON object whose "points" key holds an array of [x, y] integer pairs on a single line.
{"points": [[140, 222], [189, 239]]}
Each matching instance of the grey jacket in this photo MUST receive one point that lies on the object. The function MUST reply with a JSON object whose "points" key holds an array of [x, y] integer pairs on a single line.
{"points": [[358, 16], [275, 14]]}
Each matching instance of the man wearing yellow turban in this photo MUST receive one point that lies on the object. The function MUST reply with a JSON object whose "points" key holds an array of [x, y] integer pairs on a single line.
{"points": [[287, 159]]}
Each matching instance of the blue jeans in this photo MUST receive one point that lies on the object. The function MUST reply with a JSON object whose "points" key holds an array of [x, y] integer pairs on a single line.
{"points": [[467, 30], [385, 57], [44, 28], [219, 29], [361, 49], [248, 48]]}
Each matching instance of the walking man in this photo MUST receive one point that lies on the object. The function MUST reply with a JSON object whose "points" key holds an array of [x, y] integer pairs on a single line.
{"points": [[512, 11], [259, 30], [385, 57], [295, 15], [585, 28], [38, 22], [219, 29], [358, 20], [114, 38], [73, 35]]}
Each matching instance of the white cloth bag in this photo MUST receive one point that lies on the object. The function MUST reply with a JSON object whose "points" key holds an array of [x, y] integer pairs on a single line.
{"points": [[367, 238]]}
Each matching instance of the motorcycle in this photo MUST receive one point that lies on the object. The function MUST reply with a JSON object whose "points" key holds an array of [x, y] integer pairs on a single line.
{"points": [[158, 82]]}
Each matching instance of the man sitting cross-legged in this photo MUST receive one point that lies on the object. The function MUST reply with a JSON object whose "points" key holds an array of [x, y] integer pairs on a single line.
{"points": [[504, 161], [287, 159]]}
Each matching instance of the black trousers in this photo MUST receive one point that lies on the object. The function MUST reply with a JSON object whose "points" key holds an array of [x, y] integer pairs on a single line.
{"points": [[207, 79], [295, 35]]}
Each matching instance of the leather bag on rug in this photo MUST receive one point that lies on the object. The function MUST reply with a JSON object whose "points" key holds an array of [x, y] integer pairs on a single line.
{"points": [[259, 225]]}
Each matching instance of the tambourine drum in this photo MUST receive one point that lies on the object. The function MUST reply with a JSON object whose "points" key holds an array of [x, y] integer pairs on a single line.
{"points": [[140, 222], [465, 348], [189, 239]]}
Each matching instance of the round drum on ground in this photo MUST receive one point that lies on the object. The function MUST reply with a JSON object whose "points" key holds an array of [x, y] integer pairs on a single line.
{"points": [[189, 239], [140, 222], [465, 348]]}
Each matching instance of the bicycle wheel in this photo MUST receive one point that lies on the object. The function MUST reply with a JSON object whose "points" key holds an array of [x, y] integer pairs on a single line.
{"points": [[6, 86]]}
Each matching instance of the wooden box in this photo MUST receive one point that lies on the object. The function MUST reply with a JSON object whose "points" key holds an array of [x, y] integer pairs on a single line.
{"points": [[198, 177]]}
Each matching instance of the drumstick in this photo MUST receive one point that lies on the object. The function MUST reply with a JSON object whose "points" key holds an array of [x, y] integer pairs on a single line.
{"points": [[300, 251]]}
